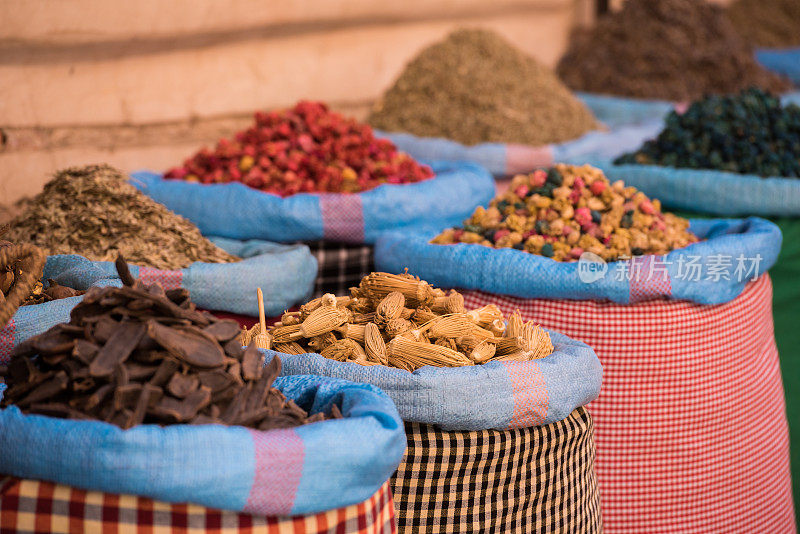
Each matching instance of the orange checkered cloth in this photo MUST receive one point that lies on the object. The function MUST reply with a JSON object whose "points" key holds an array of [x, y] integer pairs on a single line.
{"points": [[33, 506]]}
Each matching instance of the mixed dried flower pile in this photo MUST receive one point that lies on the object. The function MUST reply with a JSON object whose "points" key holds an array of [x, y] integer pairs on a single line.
{"points": [[567, 210], [305, 149]]}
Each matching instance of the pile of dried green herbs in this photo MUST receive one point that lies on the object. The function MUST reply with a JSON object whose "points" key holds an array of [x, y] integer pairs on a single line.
{"points": [[476, 87], [667, 49], [93, 211]]}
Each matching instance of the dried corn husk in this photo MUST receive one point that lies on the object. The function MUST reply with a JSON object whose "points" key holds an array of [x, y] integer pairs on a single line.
{"points": [[320, 342], [452, 303], [405, 353], [286, 334], [416, 292], [515, 325], [353, 331], [289, 348], [363, 318], [344, 350], [322, 320], [498, 328], [436, 332], [458, 325], [390, 307], [486, 315], [290, 318], [483, 352], [507, 345], [374, 345], [448, 342], [536, 341], [423, 315], [398, 326]]}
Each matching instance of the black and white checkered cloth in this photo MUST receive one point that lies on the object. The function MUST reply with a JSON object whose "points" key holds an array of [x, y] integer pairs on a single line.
{"points": [[341, 266], [530, 480]]}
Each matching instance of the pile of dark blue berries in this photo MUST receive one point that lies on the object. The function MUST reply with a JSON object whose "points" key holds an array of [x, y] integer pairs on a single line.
{"points": [[749, 133]]}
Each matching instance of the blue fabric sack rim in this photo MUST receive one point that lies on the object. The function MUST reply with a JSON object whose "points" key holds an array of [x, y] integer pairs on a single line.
{"points": [[358, 402], [713, 232], [734, 194]]}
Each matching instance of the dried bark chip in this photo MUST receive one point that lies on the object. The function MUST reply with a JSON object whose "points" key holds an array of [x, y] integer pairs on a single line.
{"points": [[54, 359], [252, 363], [234, 349], [138, 372], [165, 370], [83, 384], [21, 370], [180, 385], [142, 403], [188, 345], [99, 396], [53, 342], [103, 327], [316, 418], [336, 413], [125, 397], [178, 296], [121, 376], [295, 409], [223, 330], [216, 380], [46, 390], [117, 349], [85, 351], [205, 420], [231, 413]]}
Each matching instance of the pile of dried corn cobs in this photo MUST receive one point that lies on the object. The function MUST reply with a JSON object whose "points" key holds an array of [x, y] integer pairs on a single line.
{"points": [[305, 149], [138, 354], [568, 210], [401, 321]]}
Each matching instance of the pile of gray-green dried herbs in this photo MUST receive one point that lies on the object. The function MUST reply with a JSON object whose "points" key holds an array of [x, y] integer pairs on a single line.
{"points": [[138, 354], [476, 87], [93, 211]]}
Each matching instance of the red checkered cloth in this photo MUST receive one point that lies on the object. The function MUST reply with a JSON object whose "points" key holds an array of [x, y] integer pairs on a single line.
{"points": [[690, 425], [37, 507]]}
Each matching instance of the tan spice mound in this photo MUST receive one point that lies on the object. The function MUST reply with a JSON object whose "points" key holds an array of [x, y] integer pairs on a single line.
{"points": [[476, 87], [769, 23], [568, 210], [667, 49], [93, 211], [401, 321]]}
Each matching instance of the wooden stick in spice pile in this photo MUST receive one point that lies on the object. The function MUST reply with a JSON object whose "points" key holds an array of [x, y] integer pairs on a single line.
{"points": [[139, 354], [401, 321]]}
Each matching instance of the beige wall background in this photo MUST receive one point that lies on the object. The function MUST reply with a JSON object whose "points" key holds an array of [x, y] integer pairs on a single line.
{"points": [[144, 84]]}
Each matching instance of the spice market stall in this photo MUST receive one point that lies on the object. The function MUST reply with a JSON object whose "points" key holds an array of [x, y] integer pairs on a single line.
{"points": [[684, 334], [498, 435]]}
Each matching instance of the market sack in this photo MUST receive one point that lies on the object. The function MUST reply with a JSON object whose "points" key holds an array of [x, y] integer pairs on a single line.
{"points": [[67, 509], [471, 464], [303, 470], [513, 394], [673, 369], [285, 273], [503, 159], [340, 266], [784, 61], [237, 211]]}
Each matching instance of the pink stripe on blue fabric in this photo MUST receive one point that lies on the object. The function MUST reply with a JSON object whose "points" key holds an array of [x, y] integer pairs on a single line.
{"points": [[7, 334], [342, 217], [523, 158], [648, 278], [531, 400], [279, 467], [167, 279]]}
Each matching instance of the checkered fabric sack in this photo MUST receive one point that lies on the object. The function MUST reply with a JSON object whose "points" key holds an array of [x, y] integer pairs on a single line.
{"points": [[690, 425], [341, 266], [527, 480], [31, 506]]}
